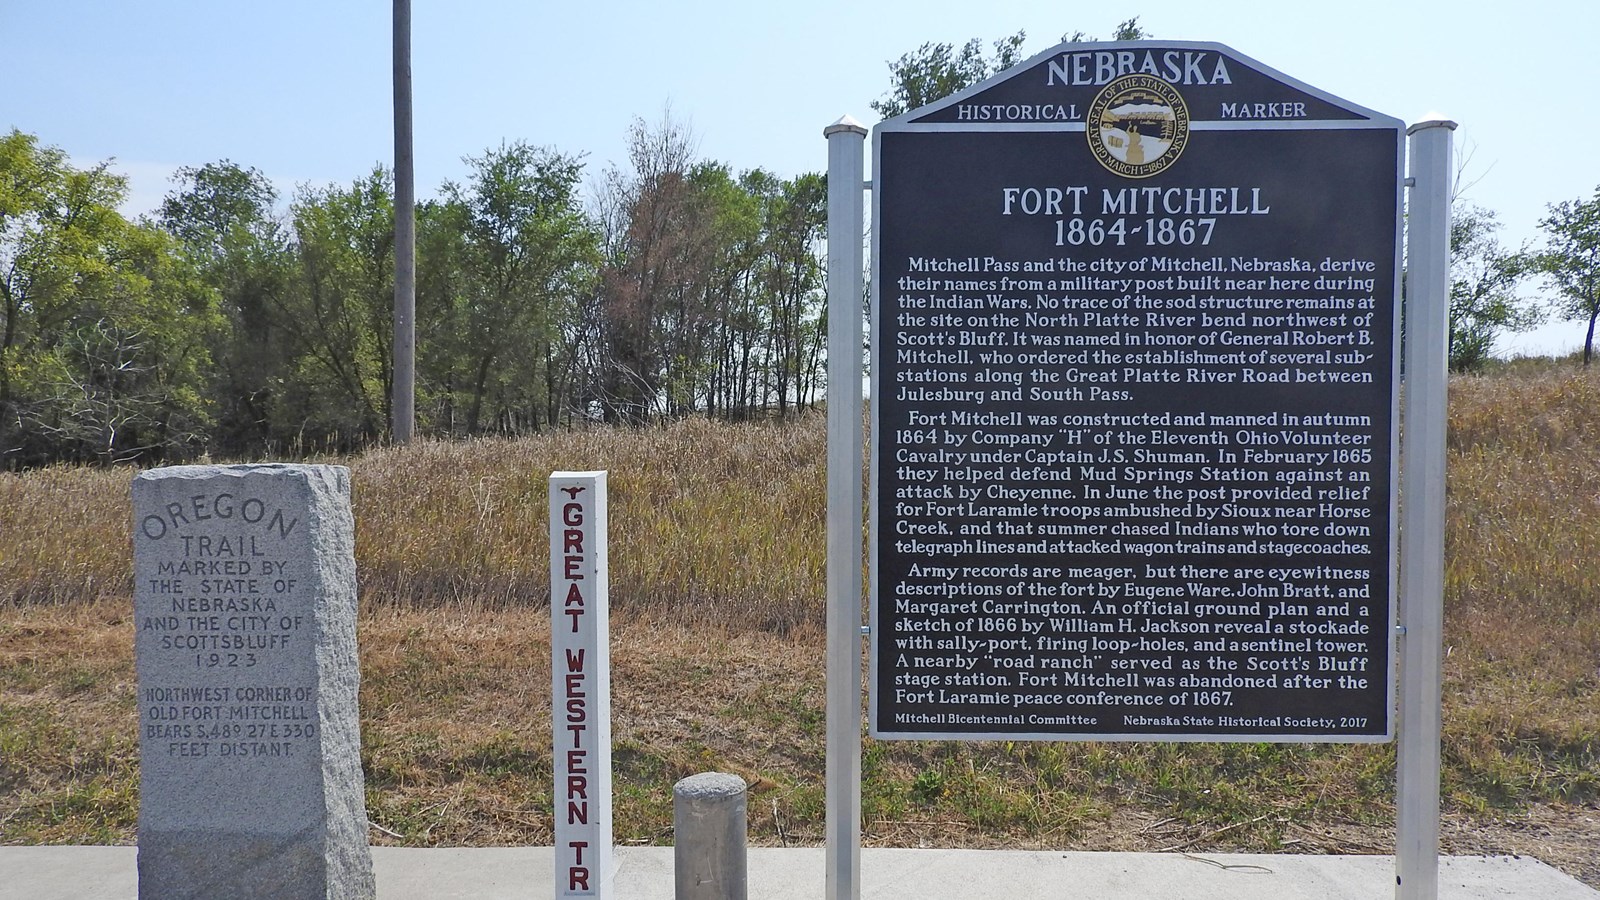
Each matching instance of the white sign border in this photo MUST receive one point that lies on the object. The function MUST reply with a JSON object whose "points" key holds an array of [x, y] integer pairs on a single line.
{"points": [[902, 123], [580, 686]]}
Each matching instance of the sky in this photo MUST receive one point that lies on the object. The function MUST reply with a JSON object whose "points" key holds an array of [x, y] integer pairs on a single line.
{"points": [[302, 90]]}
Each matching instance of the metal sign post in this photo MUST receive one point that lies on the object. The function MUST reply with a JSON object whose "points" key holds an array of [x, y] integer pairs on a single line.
{"points": [[846, 142], [1422, 530]]}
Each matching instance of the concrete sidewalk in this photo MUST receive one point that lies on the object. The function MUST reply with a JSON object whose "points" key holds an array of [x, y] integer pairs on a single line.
{"points": [[645, 873]]}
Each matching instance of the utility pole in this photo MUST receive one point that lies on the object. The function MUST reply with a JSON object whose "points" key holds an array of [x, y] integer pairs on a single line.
{"points": [[403, 401]]}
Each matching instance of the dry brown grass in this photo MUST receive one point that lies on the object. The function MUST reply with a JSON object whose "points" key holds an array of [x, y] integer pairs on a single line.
{"points": [[709, 523], [68, 724], [64, 534], [1522, 589]]}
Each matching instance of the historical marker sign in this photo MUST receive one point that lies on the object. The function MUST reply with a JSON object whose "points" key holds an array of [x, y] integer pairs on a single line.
{"points": [[1134, 399]]}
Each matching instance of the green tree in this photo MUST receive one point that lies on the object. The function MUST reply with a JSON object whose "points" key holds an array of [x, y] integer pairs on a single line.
{"points": [[1570, 262], [1127, 30], [223, 216], [737, 316], [711, 294], [527, 252], [1483, 288], [104, 330], [443, 304], [935, 71], [720, 230], [795, 278], [216, 205], [126, 378], [337, 313]]}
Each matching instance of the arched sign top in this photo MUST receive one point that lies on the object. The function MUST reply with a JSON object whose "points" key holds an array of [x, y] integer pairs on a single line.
{"points": [[1220, 87]]}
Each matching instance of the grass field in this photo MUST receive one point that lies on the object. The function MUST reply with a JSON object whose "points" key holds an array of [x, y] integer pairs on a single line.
{"points": [[717, 551]]}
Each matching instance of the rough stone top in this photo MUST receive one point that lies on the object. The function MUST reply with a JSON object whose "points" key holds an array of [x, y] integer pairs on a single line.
{"points": [[710, 785], [196, 472]]}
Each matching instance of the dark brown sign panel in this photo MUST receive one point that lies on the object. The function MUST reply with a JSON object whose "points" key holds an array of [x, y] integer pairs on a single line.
{"points": [[1134, 405]]}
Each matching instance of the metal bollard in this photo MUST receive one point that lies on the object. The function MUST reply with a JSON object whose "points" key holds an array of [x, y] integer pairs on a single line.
{"points": [[708, 819]]}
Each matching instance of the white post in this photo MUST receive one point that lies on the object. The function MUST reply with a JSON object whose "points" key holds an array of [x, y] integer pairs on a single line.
{"points": [[580, 684], [846, 149], [1427, 337]]}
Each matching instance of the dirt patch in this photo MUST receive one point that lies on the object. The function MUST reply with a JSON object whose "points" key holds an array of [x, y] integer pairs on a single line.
{"points": [[1567, 838]]}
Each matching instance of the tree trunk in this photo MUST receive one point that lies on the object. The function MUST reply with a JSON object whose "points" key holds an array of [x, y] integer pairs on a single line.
{"points": [[1588, 339], [477, 393]]}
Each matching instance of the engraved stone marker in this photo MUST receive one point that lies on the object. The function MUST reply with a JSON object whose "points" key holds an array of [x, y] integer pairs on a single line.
{"points": [[249, 739]]}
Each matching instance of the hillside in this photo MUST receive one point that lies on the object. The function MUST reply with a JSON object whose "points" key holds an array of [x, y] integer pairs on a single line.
{"points": [[717, 550]]}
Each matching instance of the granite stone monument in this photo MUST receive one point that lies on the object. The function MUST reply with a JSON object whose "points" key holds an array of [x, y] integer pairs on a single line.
{"points": [[249, 754]]}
